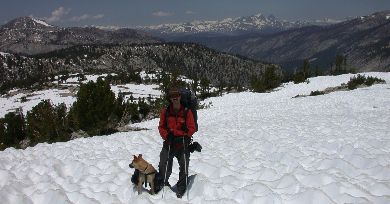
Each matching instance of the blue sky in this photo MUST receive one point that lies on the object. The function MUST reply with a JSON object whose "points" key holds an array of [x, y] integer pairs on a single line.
{"points": [[130, 13]]}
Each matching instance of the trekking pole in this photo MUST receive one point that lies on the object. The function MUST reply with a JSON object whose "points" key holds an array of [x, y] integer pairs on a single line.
{"points": [[166, 169], [186, 168]]}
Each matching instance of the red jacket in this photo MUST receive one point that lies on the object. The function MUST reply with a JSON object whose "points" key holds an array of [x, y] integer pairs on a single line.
{"points": [[176, 122]]}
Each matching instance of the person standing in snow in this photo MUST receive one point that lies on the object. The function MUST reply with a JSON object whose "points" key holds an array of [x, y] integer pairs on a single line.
{"points": [[176, 128]]}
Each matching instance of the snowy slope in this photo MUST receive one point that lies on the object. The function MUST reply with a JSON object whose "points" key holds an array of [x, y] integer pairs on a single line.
{"points": [[14, 99], [257, 148]]}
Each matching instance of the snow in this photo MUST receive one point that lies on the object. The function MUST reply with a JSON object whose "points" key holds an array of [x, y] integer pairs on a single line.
{"points": [[42, 22], [14, 99], [257, 148], [56, 96], [4, 54]]}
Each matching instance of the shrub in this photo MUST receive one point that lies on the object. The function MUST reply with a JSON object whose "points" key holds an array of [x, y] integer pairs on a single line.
{"points": [[371, 80], [358, 80], [23, 99], [299, 77], [316, 93]]}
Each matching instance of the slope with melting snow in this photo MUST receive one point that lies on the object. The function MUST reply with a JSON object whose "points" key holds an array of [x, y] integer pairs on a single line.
{"points": [[257, 148]]}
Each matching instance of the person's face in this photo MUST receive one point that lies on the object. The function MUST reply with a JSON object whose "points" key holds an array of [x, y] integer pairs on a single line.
{"points": [[175, 98]]}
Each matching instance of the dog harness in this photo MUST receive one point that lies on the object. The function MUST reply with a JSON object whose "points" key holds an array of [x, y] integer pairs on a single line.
{"points": [[147, 174]]}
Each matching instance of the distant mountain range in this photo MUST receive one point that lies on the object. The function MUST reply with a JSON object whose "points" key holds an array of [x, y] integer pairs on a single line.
{"points": [[364, 41], [232, 26], [28, 35], [32, 50]]}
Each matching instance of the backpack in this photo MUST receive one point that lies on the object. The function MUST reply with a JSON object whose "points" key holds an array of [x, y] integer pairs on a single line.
{"points": [[190, 102]]}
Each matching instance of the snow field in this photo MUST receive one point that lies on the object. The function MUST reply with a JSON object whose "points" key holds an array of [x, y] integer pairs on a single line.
{"points": [[257, 148]]}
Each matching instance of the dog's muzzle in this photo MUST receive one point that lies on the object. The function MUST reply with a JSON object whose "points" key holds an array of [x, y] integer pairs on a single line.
{"points": [[131, 166]]}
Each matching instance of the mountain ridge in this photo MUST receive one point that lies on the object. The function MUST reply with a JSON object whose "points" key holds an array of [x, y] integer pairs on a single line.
{"points": [[364, 41], [27, 35], [191, 60], [257, 23]]}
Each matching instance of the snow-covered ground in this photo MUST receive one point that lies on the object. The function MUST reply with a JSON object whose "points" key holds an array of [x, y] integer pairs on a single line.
{"points": [[14, 100], [257, 148]]}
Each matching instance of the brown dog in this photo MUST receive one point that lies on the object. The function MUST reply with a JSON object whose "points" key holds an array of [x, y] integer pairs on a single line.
{"points": [[146, 172]]}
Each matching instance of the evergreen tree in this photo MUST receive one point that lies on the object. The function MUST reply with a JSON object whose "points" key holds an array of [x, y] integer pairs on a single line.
{"points": [[2, 134], [61, 123], [340, 65], [47, 123], [269, 80], [13, 129], [306, 68], [204, 86], [144, 108], [301, 75], [94, 106]]}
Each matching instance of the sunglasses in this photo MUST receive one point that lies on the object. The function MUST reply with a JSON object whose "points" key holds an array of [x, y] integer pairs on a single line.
{"points": [[174, 96]]}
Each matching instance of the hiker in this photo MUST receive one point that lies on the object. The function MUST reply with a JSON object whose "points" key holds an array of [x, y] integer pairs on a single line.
{"points": [[176, 127]]}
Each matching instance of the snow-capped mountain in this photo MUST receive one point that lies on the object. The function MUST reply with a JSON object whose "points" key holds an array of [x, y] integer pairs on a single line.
{"points": [[28, 35], [27, 23], [364, 40], [258, 23]]}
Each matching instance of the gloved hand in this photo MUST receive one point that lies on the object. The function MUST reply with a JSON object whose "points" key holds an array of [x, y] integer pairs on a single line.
{"points": [[170, 137]]}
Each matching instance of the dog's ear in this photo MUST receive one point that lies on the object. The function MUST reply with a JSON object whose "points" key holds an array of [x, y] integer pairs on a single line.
{"points": [[140, 156], [135, 157]]}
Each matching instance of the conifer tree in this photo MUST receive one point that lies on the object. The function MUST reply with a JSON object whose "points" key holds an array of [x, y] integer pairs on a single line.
{"points": [[2, 134], [13, 129], [41, 123], [94, 105]]}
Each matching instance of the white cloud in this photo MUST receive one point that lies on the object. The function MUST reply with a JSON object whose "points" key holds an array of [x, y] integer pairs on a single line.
{"points": [[86, 17], [99, 16], [162, 14], [58, 14], [190, 12], [61, 14]]}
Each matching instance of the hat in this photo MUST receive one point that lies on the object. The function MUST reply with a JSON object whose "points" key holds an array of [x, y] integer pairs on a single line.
{"points": [[174, 92]]}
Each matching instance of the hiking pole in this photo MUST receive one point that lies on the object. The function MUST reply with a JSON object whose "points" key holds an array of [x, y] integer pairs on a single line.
{"points": [[186, 168], [166, 169]]}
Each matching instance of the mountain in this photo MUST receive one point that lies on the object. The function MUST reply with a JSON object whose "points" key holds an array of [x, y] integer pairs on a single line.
{"points": [[365, 41], [188, 59], [28, 35], [254, 23]]}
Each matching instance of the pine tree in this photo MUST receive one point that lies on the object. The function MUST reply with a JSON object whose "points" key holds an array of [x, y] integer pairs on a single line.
{"points": [[204, 86], [2, 134], [306, 68], [13, 129], [94, 106], [41, 123]]}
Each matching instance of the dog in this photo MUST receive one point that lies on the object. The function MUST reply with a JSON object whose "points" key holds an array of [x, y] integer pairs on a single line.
{"points": [[147, 173]]}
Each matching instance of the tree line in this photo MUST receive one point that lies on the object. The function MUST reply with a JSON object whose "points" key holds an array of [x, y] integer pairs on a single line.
{"points": [[96, 111], [339, 66]]}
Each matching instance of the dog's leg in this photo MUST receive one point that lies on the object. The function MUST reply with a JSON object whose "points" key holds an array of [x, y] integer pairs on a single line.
{"points": [[152, 187], [141, 180]]}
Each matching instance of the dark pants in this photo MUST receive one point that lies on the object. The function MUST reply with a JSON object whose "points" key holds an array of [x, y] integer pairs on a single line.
{"points": [[183, 160]]}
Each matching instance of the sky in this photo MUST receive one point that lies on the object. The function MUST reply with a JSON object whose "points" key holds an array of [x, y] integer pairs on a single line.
{"points": [[131, 13]]}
